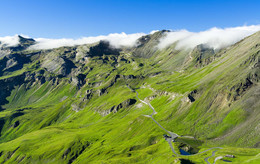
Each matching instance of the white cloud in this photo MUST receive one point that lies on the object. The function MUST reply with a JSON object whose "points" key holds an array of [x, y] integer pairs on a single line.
{"points": [[215, 37], [116, 39], [9, 41], [153, 31]]}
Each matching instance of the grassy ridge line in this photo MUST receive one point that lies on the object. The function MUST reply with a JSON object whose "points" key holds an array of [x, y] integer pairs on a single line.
{"points": [[59, 135]]}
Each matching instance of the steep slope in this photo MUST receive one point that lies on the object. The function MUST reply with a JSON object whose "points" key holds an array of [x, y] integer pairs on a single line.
{"points": [[74, 105]]}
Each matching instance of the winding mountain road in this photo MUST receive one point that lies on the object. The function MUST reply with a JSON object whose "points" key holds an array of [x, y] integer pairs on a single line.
{"points": [[213, 154], [173, 135]]}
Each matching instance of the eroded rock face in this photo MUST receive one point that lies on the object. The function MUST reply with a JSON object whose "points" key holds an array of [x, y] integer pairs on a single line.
{"points": [[202, 55], [75, 107], [10, 63], [13, 62], [125, 104], [53, 64], [4, 52], [57, 64], [102, 91], [81, 54], [88, 95], [239, 89], [146, 44], [78, 80]]}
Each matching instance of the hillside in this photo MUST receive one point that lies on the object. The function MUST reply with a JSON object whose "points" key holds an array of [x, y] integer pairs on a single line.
{"points": [[79, 104]]}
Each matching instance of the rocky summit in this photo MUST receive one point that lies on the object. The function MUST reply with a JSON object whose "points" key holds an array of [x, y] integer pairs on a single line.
{"points": [[97, 103]]}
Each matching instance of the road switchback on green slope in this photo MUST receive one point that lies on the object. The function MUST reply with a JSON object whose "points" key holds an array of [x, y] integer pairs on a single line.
{"points": [[173, 135]]}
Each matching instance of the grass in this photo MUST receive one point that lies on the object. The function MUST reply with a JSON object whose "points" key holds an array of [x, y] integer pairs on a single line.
{"points": [[49, 131]]}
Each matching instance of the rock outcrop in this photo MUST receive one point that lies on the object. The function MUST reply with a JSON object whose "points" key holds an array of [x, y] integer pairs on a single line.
{"points": [[114, 109]]}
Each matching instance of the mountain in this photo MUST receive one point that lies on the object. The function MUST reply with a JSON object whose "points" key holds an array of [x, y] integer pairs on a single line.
{"points": [[82, 104]]}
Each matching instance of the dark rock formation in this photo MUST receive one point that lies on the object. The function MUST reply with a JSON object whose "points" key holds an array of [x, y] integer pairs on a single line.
{"points": [[239, 89], [75, 150], [13, 62], [17, 123], [191, 95], [80, 80], [23, 43], [103, 48], [7, 85], [123, 104], [2, 123]]}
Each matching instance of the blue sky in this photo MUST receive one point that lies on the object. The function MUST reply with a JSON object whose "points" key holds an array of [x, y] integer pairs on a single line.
{"points": [[77, 18]]}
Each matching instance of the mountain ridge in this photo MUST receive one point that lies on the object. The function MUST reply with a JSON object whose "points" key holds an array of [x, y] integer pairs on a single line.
{"points": [[71, 104]]}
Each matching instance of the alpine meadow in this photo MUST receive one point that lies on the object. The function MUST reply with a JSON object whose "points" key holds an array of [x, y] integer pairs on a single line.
{"points": [[144, 103], [129, 82]]}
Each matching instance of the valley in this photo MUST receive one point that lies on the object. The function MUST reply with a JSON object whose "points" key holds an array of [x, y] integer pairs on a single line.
{"points": [[95, 103]]}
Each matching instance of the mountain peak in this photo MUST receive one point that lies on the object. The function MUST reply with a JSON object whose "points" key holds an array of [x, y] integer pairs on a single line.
{"points": [[24, 40], [23, 43]]}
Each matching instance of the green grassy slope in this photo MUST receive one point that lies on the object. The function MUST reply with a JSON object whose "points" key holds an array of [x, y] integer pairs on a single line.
{"points": [[67, 106]]}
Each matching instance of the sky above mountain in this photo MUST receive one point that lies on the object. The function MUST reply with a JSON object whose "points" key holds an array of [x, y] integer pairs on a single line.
{"points": [[78, 18]]}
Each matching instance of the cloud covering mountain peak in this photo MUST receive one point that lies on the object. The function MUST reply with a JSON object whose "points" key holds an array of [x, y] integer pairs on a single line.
{"points": [[115, 39], [215, 38]]}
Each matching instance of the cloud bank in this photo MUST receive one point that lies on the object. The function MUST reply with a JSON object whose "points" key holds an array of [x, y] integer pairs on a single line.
{"points": [[9, 41], [116, 39], [215, 37]]}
